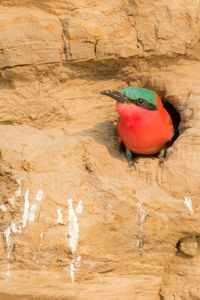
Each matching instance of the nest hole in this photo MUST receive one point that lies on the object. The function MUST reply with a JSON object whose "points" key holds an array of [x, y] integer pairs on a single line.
{"points": [[176, 119], [188, 246]]}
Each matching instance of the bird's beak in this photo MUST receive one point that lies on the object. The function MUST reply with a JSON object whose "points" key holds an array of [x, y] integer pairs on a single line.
{"points": [[116, 95]]}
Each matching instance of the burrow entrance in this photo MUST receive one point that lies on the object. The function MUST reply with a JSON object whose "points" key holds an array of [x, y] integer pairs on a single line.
{"points": [[175, 116]]}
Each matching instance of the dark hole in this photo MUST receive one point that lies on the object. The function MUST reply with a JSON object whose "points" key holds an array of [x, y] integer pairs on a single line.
{"points": [[175, 116], [178, 245], [88, 169]]}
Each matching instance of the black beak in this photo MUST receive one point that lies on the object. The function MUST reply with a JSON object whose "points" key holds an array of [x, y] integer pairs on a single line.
{"points": [[116, 95]]}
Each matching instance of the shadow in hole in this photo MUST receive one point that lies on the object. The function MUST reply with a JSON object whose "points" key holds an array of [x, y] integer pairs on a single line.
{"points": [[176, 119], [183, 255]]}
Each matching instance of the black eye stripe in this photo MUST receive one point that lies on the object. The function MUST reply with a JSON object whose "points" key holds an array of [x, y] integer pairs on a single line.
{"points": [[122, 98], [143, 103]]}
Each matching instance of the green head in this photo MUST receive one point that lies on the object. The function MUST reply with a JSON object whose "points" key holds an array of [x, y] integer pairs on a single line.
{"points": [[135, 95]]}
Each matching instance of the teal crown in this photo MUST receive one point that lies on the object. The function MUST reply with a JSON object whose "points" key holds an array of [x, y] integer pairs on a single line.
{"points": [[134, 93]]}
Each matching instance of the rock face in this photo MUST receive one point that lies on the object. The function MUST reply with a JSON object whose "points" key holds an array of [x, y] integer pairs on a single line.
{"points": [[76, 222]]}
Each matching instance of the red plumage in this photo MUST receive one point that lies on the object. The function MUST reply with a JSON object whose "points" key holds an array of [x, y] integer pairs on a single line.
{"points": [[144, 131]]}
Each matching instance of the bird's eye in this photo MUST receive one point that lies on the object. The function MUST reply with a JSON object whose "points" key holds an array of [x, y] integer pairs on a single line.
{"points": [[140, 101]]}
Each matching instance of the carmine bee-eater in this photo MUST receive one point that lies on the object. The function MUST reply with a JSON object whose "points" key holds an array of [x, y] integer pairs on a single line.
{"points": [[144, 126]]}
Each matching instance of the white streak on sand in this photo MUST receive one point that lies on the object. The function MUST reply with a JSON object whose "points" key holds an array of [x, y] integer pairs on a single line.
{"points": [[39, 195], [11, 228], [8, 271], [139, 221], [3, 208], [74, 266], [73, 236], [73, 228], [32, 213], [7, 240], [14, 228], [72, 270], [60, 218], [25, 218], [19, 191], [188, 203], [79, 207], [7, 236], [26, 208], [12, 201]]}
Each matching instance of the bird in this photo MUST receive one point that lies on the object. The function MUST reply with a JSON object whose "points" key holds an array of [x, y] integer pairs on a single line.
{"points": [[144, 127]]}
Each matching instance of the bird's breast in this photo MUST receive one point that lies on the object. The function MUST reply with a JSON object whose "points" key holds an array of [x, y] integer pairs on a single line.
{"points": [[144, 131]]}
